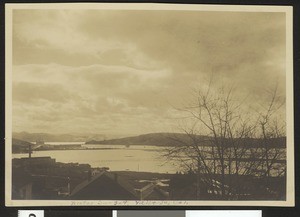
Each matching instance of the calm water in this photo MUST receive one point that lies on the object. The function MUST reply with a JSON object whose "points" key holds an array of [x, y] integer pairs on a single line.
{"points": [[116, 157]]}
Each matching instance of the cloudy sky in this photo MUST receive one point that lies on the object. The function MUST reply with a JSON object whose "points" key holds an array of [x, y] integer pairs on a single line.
{"points": [[123, 72]]}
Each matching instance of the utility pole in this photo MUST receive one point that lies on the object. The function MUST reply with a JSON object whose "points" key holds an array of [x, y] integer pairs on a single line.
{"points": [[29, 151]]}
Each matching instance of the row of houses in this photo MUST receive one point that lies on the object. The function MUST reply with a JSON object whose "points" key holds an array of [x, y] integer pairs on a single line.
{"points": [[43, 178]]}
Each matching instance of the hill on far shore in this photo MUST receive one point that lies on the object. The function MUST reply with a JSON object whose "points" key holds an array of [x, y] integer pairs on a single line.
{"points": [[175, 139], [159, 139]]}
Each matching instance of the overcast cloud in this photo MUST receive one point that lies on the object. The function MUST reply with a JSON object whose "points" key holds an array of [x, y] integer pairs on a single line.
{"points": [[93, 71]]}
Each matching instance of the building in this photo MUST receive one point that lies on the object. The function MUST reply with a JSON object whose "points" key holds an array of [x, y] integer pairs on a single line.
{"points": [[21, 185], [105, 186], [111, 186], [33, 163]]}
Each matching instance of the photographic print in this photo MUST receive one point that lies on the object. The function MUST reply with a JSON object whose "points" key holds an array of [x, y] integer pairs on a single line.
{"points": [[149, 105]]}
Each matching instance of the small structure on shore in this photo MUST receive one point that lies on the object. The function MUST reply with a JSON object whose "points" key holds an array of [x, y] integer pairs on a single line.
{"points": [[40, 141]]}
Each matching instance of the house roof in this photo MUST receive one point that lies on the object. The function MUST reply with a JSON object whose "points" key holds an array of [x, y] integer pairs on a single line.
{"points": [[150, 191], [113, 177]]}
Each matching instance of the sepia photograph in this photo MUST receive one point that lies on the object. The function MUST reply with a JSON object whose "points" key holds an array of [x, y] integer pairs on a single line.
{"points": [[149, 105]]}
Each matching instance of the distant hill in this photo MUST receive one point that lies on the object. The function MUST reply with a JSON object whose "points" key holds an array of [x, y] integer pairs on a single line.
{"points": [[158, 139], [174, 139], [47, 137], [21, 143], [20, 146]]}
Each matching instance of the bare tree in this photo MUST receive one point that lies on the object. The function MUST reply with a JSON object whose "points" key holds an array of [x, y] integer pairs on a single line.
{"points": [[271, 128], [223, 143]]}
